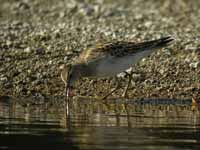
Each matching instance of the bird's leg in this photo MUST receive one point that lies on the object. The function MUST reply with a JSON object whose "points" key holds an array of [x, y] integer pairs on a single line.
{"points": [[66, 101], [129, 82], [112, 91]]}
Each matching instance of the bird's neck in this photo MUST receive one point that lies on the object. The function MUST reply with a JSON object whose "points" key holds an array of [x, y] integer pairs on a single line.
{"points": [[64, 76]]}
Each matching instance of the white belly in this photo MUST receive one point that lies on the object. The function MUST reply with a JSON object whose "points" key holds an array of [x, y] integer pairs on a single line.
{"points": [[115, 65]]}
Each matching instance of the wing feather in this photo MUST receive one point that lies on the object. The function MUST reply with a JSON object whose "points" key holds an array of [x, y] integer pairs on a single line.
{"points": [[120, 49]]}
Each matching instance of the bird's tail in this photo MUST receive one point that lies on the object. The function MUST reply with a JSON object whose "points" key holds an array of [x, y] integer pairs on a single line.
{"points": [[159, 43], [144, 49]]}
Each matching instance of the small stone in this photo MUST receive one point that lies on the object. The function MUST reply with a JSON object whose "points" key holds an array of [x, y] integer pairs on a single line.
{"points": [[86, 10], [195, 65], [68, 51], [190, 47], [121, 75], [129, 70], [62, 14], [49, 49], [27, 50], [57, 33], [138, 16], [187, 60], [66, 59], [148, 24], [8, 42], [23, 5], [50, 62], [1, 58], [3, 79], [29, 71], [162, 71], [40, 51]]}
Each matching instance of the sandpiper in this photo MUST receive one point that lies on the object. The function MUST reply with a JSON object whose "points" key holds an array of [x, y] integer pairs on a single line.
{"points": [[108, 59]]}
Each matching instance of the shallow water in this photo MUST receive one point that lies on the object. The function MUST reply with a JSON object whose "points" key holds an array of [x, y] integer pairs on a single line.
{"points": [[94, 127]]}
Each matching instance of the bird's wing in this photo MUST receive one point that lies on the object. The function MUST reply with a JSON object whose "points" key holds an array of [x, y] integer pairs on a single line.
{"points": [[120, 49], [97, 52]]}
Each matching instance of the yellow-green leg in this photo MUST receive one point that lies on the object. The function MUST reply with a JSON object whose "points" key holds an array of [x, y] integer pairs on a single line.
{"points": [[128, 84], [115, 89]]}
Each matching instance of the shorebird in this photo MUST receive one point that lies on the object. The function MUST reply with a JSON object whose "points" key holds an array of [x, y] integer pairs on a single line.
{"points": [[108, 59]]}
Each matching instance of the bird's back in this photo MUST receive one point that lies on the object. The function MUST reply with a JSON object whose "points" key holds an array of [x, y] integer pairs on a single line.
{"points": [[109, 59], [120, 49]]}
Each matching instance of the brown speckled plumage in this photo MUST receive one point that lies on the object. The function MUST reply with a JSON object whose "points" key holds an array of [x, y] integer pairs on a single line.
{"points": [[109, 59], [119, 49]]}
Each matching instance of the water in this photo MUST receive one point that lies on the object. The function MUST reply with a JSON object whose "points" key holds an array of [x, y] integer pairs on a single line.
{"points": [[95, 126]]}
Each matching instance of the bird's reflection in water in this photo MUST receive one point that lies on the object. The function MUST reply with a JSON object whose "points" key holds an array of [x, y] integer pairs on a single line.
{"points": [[96, 125]]}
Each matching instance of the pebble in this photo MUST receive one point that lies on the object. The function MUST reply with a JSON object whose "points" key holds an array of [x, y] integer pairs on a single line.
{"points": [[40, 51], [27, 50], [195, 65], [3, 78]]}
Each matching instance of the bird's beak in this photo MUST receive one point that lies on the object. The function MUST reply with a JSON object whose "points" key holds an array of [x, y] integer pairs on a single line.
{"points": [[69, 91]]}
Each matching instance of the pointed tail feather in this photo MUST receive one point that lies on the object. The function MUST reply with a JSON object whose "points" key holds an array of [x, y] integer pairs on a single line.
{"points": [[146, 48], [155, 44], [163, 42]]}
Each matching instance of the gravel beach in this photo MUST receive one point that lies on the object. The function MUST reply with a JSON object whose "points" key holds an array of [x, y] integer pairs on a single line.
{"points": [[36, 37]]}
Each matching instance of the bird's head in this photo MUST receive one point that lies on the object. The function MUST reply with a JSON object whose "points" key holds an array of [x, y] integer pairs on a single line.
{"points": [[68, 76]]}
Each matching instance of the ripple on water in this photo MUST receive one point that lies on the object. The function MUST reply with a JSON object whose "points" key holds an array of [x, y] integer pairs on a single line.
{"points": [[94, 125]]}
